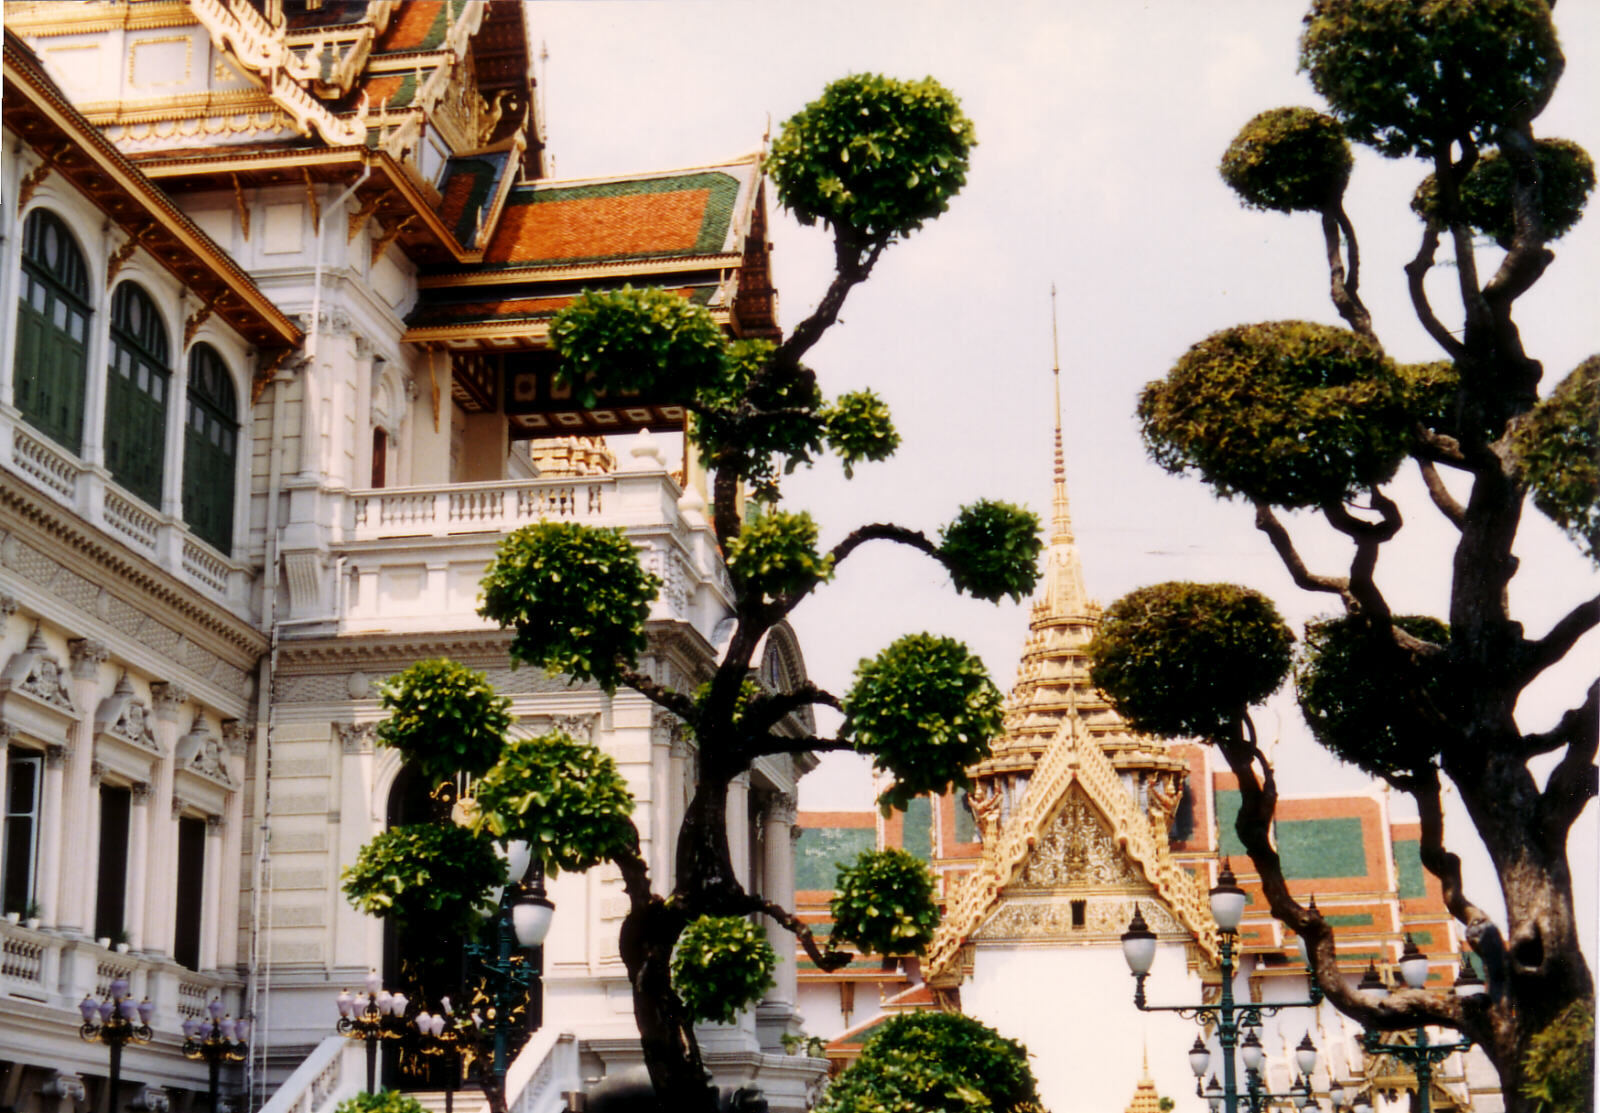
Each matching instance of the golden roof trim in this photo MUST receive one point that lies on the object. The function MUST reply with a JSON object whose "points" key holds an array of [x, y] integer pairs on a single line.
{"points": [[721, 261], [1073, 758], [53, 19], [519, 329], [47, 100]]}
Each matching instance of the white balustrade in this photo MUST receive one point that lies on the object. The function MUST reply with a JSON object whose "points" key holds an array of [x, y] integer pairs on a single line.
{"points": [[475, 507], [44, 463]]}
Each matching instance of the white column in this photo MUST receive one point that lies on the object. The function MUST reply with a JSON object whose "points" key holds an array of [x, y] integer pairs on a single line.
{"points": [[738, 819], [777, 866], [76, 904], [49, 888], [138, 865], [233, 740], [160, 909], [209, 921]]}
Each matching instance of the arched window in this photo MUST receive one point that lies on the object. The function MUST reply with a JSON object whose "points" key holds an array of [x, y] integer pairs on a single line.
{"points": [[52, 331], [210, 449], [137, 385]]}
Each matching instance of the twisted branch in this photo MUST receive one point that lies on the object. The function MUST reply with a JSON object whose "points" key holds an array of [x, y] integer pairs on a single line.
{"points": [[1267, 522]]}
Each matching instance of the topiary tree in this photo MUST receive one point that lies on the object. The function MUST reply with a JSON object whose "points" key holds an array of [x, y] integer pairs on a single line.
{"points": [[564, 799], [933, 1062], [1301, 416], [871, 160]]}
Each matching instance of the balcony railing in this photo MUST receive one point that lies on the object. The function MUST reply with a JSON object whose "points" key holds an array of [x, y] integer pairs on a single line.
{"points": [[57, 971], [160, 538], [411, 556]]}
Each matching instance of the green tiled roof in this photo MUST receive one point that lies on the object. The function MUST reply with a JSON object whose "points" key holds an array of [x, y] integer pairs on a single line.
{"points": [[1312, 848], [1351, 919], [819, 851], [1408, 868], [917, 829]]}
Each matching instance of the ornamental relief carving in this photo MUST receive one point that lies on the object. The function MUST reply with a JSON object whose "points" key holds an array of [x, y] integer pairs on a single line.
{"points": [[1077, 850], [1104, 919], [37, 672], [355, 738], [127, 718]]}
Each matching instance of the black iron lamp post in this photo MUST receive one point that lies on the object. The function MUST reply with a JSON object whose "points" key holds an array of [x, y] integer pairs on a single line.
{"points": [[116, 1022], [217, 1039], [513, 968], [438, 1037], [1139, 948], [1420, 1054], [372, 1016]]}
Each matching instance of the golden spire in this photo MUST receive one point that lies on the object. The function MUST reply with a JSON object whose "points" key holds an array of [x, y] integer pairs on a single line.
{"points": [[1060, 514], [1064, 590]]}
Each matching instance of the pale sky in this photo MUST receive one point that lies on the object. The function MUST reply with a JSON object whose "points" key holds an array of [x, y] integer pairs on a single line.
{"points": [[1100, 125]]}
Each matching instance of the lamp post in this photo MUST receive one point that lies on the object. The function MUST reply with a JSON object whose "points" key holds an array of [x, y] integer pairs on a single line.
{"points": [[439, 1037], [116, 1021], [1139, 948], [513, 968], [371, 1016], [217, 1039], [1420, 1055]]}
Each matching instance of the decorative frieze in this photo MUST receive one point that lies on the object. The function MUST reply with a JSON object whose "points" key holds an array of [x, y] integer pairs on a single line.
{"points": [[122, 717], [1077, 850], [36, 671], [1103, 919]]}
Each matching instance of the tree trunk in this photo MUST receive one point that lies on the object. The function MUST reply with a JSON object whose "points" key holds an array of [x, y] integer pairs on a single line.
{"points": [[666, 1035]]}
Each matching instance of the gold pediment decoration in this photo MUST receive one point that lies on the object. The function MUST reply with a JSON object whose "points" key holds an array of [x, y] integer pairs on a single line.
{"points": [[1073, 765]]}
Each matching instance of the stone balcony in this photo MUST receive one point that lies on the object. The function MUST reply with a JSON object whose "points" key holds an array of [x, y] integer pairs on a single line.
{"points": [[34, 462], [409, 559], [44, 974]]}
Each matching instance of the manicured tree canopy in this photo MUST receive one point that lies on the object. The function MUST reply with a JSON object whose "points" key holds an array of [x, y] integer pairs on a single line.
{"points": [[722, 966], [1566, 178], [1185, 660], [1288, 160], [429, 875], [1289, 413], [1402, 74], [931, 1062], [884, 903], [444, 718], [1558, 446]]}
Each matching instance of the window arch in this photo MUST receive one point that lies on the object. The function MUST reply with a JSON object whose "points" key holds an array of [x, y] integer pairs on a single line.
{"points": [[211, 449], [137, 386], [52, 353]]}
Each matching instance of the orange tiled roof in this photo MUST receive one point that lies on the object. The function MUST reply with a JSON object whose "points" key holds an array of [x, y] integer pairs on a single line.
{"points": [[666, 216], [418, 25]]}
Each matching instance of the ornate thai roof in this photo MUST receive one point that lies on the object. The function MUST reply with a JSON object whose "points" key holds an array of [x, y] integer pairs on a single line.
{"points": [[1145, 1099]]}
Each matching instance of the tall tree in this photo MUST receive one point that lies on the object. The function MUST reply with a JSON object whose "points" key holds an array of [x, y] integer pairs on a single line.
{"points": [[871, 160], [1298, 416]]}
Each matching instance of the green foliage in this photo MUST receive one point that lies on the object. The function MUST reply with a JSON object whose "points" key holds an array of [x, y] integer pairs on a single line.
{"points": [[1566, 178], [618, 342], [776, 553], [1558, 445], [873, 156], [563, 797], [925, 710], [425, 874], [576, 596], [721, 966], [858, 428], [884, 904], [751, 414], [444, 718], [1288, 160], [384, 1101], [1429, 390], [1359, 693], [992, 550], [1558, 1069], [1290, 413], [1411, 76], [1185, 660], [934, 1062]]}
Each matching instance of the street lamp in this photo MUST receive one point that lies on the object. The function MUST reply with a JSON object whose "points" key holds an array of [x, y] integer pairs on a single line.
{"points": [[371, 1016], [217, 1039], [116, 1021], [438, 1036], [1139, 948], [1421, 1055], [513, 977]]}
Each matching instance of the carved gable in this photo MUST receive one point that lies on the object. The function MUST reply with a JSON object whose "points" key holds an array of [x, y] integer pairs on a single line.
{"points": [[1077, 850]]}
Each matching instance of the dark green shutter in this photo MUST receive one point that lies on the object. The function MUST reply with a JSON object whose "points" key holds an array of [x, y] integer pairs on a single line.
{"points": [[210, 452], [137, 385], [52, 354]]}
